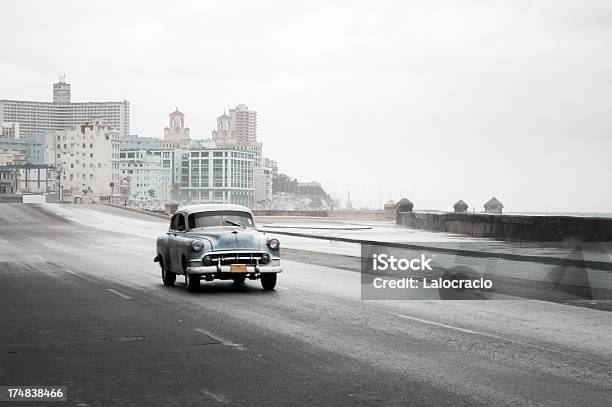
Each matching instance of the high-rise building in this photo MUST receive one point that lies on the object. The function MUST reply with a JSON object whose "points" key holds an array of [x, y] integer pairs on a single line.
{"points": [[61, 113], [87, 158], [176, 134], [243, 125], [239, 131]]}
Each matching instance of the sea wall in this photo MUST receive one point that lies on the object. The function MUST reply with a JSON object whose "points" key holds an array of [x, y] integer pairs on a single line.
{"points": [[512, 227], [279, 212], [364, 215]]}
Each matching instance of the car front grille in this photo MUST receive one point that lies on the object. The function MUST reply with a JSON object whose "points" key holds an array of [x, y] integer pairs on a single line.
{"points": [[250, 259]]}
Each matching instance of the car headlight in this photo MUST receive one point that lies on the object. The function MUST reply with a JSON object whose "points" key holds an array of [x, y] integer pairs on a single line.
{"points": [[207, 260], [197, 245], [273, 244], [265, 258]]}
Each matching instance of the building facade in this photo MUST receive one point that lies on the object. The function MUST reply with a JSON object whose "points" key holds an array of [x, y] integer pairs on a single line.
{"points": [[9, 130], [37, 178], [216, 176], [243, 125], [87, 160], [9, 181], [12, 157], [148, 178], [61, 113]]}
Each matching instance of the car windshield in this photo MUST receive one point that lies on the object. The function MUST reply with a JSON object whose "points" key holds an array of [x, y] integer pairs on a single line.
{"points": [[220, 218]]}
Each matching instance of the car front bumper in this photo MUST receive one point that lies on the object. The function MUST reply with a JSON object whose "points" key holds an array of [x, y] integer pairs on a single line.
{"points": [[226, 269]]}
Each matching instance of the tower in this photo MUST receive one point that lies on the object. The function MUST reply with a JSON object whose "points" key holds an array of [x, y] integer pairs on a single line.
{"points": [[176, 132], [61, 91], [222, 134]]}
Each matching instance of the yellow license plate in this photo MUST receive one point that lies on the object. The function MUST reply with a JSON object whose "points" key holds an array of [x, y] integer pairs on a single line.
{"points": [[238, 268]]}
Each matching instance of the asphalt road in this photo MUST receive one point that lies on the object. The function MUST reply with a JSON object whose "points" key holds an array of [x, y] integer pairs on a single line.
{"points": [[82, 305]]}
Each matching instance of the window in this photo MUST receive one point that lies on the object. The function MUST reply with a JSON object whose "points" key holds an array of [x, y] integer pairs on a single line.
{"points": [[180, 223], [220, 218], [173, 222]]}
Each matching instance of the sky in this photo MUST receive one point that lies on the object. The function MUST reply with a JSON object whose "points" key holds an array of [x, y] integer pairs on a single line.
{"points": [[436, 101]]}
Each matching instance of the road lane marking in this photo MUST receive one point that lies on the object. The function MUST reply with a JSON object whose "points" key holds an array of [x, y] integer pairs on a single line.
{"points": [[455, 328], [489, 335], [70, 272], [281, 288], [220, 339], [216, 396], [126, 297]]}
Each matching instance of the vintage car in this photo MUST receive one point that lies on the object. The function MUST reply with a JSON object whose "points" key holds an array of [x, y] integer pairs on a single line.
{"points": [[217, 242]]}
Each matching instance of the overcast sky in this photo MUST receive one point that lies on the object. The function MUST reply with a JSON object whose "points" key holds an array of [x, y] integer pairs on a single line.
{"points": [[446, 100]]}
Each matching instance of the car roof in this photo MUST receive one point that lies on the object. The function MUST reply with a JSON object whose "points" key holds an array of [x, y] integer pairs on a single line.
{"points": [[213, 207]]}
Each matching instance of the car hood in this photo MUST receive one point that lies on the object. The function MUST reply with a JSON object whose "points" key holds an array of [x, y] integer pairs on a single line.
{"points": [[227, 238]]}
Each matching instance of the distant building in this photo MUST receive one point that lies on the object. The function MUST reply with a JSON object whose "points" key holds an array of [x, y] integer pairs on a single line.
{"points": [[243, 125], [9, 181], [12, 157], [176, 134], [31, 146], [61, 91], [60, 114], [36, 178], [9, 130], [239, 131], [222, 135], [149, 179], [272, 164], [216, 176], [87, 159], [263, 188], [135, 142]]}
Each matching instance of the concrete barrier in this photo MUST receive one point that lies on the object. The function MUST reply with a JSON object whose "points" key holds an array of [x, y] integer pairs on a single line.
{"points": [[279, 212], [512, 227]]}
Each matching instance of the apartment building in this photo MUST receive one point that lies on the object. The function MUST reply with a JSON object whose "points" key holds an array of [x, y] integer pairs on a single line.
{"points": [[40, 117], [87, 159]]}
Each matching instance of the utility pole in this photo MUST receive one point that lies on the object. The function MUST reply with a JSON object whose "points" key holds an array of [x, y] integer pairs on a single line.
{"points": [[59, 181]]}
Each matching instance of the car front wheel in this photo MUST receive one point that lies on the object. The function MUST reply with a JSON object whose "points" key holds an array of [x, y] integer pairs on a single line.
{"points": [[268, 281], [168, 277], [192, 281]]}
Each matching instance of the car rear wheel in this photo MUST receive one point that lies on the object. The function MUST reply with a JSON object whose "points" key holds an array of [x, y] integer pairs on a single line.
{"points": [[168, 277], [268, 281], [192, 281]]}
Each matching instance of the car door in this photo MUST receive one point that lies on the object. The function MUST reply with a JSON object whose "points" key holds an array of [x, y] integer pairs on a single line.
{"points": [[177, 243], [170, 243]]}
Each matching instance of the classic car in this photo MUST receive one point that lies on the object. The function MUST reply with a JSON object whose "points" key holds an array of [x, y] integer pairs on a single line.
{"points": [[217, 242]]}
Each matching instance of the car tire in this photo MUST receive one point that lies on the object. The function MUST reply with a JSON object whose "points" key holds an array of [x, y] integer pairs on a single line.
{"points": [[168, 277], [268, 281], [239, 279], [192, 281]]}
